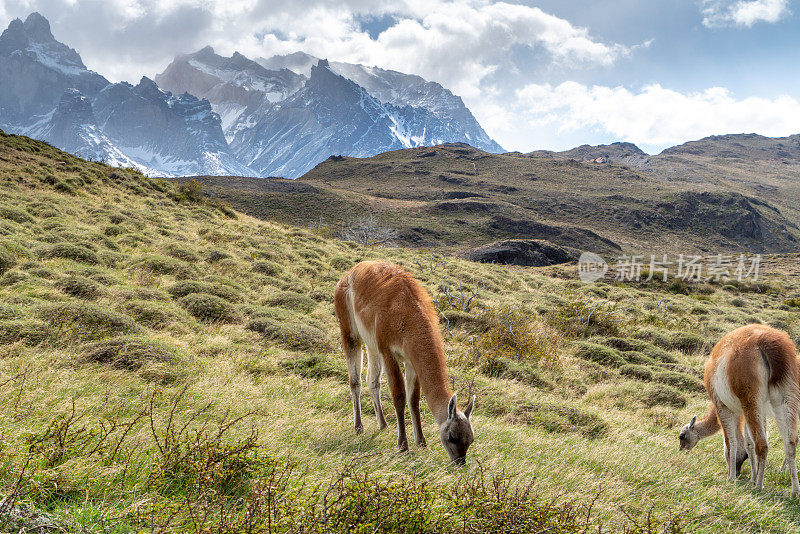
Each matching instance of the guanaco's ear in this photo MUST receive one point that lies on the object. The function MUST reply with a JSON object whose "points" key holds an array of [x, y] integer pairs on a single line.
{"points": [[692, 422], [470, 406], [451, 407]]}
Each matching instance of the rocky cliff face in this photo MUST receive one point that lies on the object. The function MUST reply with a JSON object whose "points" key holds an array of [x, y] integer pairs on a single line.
{"points": [[172, 135], [236, 87], [72, 126], [261, 111], [35, 70], [47, 92], [329, 115]]}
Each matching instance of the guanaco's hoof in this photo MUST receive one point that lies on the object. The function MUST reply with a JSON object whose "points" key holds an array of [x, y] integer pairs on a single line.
{"points": [[359, 430]]}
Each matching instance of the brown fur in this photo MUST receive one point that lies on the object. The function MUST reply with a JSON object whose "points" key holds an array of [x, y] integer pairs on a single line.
{"points": [[760, 367], [398, 318]]}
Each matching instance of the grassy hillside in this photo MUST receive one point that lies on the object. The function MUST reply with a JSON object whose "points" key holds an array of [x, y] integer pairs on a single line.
{"points": [[454, 197], [168, 364]]}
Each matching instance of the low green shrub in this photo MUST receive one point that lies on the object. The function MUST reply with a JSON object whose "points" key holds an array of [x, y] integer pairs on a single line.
{"points": [[154, 314], [559, 418], [27, 331], [156, 361], [209, 308], [597, 353], [269, 268], [85, 321], [70, 251], [187, 287], [642, 372], [80, 287], [662, 395], [315, 366], [7, 260], [512, 370], [292, 301]]}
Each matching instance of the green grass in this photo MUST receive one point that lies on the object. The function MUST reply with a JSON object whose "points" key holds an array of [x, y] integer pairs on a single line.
{"points": [[155, 379]]}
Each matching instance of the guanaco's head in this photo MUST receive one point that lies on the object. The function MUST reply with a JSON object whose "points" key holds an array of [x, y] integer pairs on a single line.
{"points": [[688, 436], [456, 432]]}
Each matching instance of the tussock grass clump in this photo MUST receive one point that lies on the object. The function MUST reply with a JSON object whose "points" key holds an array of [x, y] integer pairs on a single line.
{"points": [[85, 321], [299, 336], [597, 353], [113, 230], [265, 326], [188, 287], [27, 331], [7, 260], [315, 366], [662, 395], [163, 265], [12, 277], [642, 372], [15, 214], [512, 370], [70, 251], [209, 308], [559, 418], [182, 253], [679, 380], [467, 320], [269, 268], [685, 341], [155, 361], [80, 287], [583, 319], [154, 314], [292, 301], [214, 256]]}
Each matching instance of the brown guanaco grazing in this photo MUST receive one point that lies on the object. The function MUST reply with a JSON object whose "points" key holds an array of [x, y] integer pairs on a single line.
{"points": [[382, 306], [752, 370]]}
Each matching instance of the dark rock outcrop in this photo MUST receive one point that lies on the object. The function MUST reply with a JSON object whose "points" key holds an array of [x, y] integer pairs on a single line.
{"points": [[525, 252]]}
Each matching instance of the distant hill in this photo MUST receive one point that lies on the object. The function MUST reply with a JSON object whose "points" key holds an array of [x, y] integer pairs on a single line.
{"points": [[455, 197]]}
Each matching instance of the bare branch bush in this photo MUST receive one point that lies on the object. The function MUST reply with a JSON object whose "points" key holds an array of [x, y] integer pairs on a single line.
{"points": [[369, 231]]}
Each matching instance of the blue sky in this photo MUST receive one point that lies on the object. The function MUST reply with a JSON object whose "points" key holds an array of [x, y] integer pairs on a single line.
{"points": [[549, 74]]}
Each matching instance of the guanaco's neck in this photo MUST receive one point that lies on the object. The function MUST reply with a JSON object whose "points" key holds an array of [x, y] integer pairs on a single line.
{"points": [[708, 425]]}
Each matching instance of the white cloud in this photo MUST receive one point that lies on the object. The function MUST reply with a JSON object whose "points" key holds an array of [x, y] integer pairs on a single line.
{"points": [[745, 13], [457, 43], [654, 117]]}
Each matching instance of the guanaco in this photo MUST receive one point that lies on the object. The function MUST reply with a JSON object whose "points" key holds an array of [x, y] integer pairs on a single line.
{"points": [[382, 306], [752, 370]]}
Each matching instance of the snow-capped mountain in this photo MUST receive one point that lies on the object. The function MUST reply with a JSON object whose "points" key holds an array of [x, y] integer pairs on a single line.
{"points": [[172, 135], [283, 115], [47, 92], [209, 114], [329, 115], [401, 90], [235, 86], [72, 127]]}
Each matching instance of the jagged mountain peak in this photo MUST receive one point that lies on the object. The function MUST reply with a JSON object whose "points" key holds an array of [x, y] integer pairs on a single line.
{"points": [[38, 28]]}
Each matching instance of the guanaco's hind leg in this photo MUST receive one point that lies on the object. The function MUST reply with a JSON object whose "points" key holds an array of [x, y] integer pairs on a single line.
{"points": [[398, 391], [413, 392], [352, 351], [374, 370], [756, 422], [786, 418]]}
